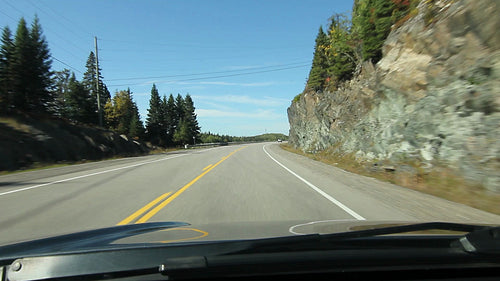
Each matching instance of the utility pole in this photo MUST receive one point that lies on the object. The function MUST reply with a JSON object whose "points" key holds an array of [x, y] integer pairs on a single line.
{"points": [[99, 111]]}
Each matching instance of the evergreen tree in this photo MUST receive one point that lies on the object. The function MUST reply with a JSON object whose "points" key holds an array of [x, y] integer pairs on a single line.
{"points": [[6, 86], [179, 118], [89, 81], [60, 92], [41, 75], [155, 117], [372, 21], [190, 118], [182, 135], [20, 66], [122, 114], [318, 74], [341, 56], [78, 104], [171, 119]]}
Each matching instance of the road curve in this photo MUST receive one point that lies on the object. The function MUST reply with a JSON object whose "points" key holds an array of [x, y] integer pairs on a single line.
{"points": [[244, 183]]}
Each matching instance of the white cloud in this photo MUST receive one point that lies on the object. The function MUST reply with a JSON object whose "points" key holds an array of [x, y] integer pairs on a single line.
{"points": [[264, 101], [260, 114], [222, 83]]}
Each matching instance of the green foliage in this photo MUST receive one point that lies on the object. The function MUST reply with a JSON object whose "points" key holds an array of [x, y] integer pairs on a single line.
{"points": [[190, 119], [154, 120], [297, 98], [78, 104], [182, 134], [122, 115], [340, 50], [25, 75], [171, 121], [6, 78], [216, 138], [372, 21], [90, 82], [349, 42], [319, 69]]}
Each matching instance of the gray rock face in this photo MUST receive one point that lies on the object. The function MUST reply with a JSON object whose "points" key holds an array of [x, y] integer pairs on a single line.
{"points": [[433, 98]]}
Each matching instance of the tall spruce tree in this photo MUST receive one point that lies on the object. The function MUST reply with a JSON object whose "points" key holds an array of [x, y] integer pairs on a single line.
{"points": [[6, 79], [155, 117], [89, 81], [20, 66], [170, 119], [60, 92], [122, 114], [78, 102], [41, 75], [190, 118], [318, 74], [341, 57]]}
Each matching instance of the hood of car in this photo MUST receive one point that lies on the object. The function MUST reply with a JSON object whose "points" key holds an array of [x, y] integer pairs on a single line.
{"points": [[163, 233]]}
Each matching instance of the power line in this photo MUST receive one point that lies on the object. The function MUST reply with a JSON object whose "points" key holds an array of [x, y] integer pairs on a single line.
{"points": [[204, 46], [61, 15], [220, 76], [66, 64], [205, 73], [56, 19], [8, 15]]}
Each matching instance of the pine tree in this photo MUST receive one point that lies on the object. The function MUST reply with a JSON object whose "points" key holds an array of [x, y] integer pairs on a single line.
{"points": [[20, 66], [60, 92], [318, 74], [78, 103], [179, 118], [41, 75], [341, 57], [190, 118], [122, 115], [89, 81], [182, 135], [170, 120], [6, 86], [372, 21], [154, 118]]}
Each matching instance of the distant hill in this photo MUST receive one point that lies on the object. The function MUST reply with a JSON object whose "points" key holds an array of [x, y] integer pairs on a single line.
{"points": [[211, 138]]}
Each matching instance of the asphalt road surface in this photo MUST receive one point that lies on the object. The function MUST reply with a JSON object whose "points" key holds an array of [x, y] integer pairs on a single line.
{"points": [[230, 184]]}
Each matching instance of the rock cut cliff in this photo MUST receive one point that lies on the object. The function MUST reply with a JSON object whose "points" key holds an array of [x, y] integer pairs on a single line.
{"points": [[433, 98]]}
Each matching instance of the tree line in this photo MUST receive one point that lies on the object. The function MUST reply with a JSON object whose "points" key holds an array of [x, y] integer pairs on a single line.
{"points": [[348, 42], [209, 137], [29, 86], [171, 121]]}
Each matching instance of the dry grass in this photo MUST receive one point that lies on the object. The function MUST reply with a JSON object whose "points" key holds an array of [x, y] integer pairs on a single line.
{"points": [[441, 181]]}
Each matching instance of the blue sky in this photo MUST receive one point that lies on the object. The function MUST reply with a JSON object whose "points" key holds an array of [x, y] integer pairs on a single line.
{"points": [[241, 61]]}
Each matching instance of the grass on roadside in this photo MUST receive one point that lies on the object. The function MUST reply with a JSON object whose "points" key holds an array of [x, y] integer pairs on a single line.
{"points": [[440, 181]]}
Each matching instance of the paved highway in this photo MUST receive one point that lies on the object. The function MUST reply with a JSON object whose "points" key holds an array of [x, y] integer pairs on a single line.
{"points": [[244, 183]]}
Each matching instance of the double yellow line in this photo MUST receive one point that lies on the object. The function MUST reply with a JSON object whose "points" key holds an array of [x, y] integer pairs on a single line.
{"points": [[162, 205]]}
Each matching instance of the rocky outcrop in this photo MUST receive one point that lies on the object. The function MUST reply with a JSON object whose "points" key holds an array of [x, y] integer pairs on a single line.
{"points": [[434, 97], [25, 140]]}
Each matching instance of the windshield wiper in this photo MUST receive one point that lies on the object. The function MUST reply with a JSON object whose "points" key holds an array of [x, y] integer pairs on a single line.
{"points": [[340, 252], [352, 251], [321, 241]]}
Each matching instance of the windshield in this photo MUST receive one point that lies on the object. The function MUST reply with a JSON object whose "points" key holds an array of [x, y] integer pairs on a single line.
{"points": [[247, 119]]}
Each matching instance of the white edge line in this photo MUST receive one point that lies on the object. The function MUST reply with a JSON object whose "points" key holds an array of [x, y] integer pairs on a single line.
{"points": [[327, 196], [89, 175]]}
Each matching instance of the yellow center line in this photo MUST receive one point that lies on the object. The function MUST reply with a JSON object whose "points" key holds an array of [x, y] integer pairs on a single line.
{"points": [[151, 213], [207, 167], [143, 209]]}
